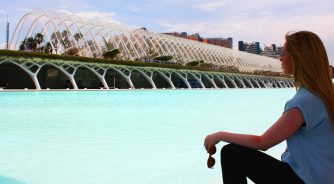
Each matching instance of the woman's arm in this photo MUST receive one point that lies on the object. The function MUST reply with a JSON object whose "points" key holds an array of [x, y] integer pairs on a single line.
{"points": [[283, 128]]}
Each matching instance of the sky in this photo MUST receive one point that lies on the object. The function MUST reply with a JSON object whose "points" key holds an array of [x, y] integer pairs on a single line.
{"points": [[265, 21]]}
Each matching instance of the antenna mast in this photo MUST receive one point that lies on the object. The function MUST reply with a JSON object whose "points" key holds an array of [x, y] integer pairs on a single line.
{"points": [[7, 34]]}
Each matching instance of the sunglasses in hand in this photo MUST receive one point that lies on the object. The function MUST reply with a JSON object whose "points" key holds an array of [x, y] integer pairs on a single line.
{"points": [[211, 161]]}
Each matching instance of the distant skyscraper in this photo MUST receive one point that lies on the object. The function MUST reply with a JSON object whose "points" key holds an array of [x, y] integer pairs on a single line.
{"points": [[280, 50], [269, 51], [253, 47], [272, 51], [274, 47], [184, 34]]}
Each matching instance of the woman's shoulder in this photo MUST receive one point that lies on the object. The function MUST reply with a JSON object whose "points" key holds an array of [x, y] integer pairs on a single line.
{"points": [[311, 107], [304, 94], [304, 97]]}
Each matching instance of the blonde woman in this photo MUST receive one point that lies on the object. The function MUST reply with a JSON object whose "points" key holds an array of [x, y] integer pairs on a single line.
{"points": [[307, 124]]}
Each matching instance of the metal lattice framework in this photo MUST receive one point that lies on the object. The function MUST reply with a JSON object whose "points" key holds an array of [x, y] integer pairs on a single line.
{"points": [[96, 37], [32, 67]]}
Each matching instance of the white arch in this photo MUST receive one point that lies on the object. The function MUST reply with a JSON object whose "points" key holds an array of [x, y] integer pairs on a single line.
{"points": [[33, 76]]}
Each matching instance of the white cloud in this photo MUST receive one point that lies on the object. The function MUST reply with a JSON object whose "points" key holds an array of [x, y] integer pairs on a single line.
{"points": [[24, 10], [263, 29], [2, 45], [102, 16], [210, 6], [105, 16], [73, 4], [237, 6], [134, 9]]}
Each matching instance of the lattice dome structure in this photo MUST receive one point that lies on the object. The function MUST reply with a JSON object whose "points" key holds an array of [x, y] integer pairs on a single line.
{"points": [[69, 33]]}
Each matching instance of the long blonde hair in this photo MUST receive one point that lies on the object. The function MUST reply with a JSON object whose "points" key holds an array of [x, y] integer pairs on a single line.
{"points": [[310, 67]]}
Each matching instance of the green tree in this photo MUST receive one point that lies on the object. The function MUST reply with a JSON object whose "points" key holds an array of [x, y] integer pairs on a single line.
{"points": [[78, 36], [111, 54], [54, 40], [109, 46], [38, 40], [65, 41], [47, 48], [36, 44], [30, 43], [195, 63], [163, 58], [23, 44], [150, 54]]}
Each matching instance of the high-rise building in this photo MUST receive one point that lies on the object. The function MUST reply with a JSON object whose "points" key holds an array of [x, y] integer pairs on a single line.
{"points": [[228, 43], [253, 47], [272, 51], [274, 47], [280, 50], [269, 51], [184, 34], [195, 37], [224, 42]]}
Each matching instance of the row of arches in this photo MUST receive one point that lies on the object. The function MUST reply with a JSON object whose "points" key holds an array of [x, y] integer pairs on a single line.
{"points": [[21, 74]]}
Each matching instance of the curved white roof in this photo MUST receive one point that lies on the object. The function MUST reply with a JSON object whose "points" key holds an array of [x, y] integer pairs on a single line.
{"points": [[92, 38]]}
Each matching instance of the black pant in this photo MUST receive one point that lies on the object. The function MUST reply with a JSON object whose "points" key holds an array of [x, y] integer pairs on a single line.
{"points": [[240, 162]]}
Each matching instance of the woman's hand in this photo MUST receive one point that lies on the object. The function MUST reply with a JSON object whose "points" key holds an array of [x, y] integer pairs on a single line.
{"points": [[211, 140]]}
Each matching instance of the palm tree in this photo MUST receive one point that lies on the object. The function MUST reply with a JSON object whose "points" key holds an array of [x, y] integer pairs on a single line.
{"points": [[22, 47], [23, 44], [30, 44], [38, 40], [66, 40], [109, 46], [54, 40], [47, 48], [78, 36], [35, 43]]}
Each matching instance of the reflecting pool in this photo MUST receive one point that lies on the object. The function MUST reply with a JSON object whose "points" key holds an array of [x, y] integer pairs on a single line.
{"points": [[126, 137]]}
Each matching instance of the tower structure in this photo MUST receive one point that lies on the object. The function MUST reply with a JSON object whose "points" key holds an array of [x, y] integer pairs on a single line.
{"points": [[7, 34]]}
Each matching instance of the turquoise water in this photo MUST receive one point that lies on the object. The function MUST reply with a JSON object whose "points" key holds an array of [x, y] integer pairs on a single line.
{"points": [[126, 137]]}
